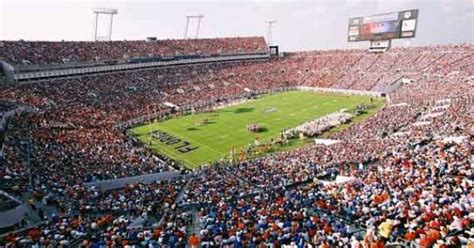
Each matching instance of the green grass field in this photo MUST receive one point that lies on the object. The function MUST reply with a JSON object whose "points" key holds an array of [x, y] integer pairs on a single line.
{"points": [[228, 128]]}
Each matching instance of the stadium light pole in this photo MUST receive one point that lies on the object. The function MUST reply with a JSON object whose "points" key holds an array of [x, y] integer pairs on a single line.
{"points": [[96, 20], [269, 31], [199, 25], [190, 18], [186, 28], [110, 27], [104, 11]]}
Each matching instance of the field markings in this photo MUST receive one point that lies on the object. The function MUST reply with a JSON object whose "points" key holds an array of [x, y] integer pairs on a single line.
{"points": [[144, 138], [229, 128], [171, 152], [194, 141], [184, 137], [189, 160]]}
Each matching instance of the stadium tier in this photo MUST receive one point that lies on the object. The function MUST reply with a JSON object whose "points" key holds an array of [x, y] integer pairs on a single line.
{"points": [[400, 173], [63, 52]]}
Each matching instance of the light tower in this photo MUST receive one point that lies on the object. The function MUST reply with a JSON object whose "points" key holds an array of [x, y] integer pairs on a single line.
{"points": [[107, 12], [192, 17], [269, 31]]}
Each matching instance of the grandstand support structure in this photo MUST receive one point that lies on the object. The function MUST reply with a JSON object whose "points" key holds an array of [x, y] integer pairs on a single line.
{"points": [[8, 71], [198, 17], [71, 72], [103, 11]]}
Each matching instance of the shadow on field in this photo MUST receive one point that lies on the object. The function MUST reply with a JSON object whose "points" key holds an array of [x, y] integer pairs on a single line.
{"points": [[263, 130], [192, 129], [243, 110]]}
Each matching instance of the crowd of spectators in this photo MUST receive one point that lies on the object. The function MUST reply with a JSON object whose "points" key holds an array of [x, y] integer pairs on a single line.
{"points": [[117, 217], [413, 187], [210, 185], [63, 52], [388, 120], [420, 193]]}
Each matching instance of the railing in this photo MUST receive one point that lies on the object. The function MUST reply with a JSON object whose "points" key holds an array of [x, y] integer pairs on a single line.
{"points": [[49, 67], [38, 75], [21, 68], [341, 91]]}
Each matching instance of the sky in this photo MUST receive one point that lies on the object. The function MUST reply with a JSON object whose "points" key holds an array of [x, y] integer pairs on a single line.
{"points": [[300, 25]]}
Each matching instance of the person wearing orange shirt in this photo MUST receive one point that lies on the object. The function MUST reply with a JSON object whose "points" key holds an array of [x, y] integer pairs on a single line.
{"points": [[193, 241]]}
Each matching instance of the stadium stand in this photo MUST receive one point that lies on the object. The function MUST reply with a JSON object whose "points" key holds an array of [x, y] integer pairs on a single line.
{"points": [[409, 184], [45, 53]]}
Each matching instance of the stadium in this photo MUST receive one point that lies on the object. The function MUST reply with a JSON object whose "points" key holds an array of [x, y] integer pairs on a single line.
{"points": [[234, 142]]}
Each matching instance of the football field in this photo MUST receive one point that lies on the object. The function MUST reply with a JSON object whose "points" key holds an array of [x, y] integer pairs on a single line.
{"points": [[193, 143]]}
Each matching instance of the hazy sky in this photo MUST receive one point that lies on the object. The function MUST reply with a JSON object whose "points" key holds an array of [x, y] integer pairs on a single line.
{"points": [[301, 25]]}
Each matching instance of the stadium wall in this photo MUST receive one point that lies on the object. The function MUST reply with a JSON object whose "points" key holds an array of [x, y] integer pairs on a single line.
{"points": [[342, 91]]}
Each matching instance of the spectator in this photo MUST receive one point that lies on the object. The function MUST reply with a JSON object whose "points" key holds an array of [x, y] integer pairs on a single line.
{"points": [[193, 241]]}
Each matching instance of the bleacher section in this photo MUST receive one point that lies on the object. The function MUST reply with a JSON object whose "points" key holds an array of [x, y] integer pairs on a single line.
{"points": [[409, 184]]}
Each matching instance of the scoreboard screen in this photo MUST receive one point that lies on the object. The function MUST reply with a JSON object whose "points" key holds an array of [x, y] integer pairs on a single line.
{"points": [[387, 26]]}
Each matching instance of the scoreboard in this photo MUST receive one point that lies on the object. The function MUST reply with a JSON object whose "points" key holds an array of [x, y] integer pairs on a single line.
{"points": [[387, 26]]}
